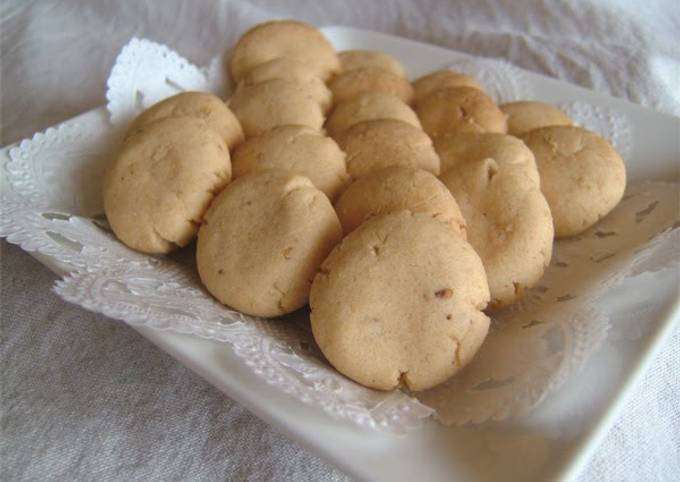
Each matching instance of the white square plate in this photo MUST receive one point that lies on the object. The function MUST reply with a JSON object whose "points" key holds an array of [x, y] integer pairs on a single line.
{"points": [[519, 450]]}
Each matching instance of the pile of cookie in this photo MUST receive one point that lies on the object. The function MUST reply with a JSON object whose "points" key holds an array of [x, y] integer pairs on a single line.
{"points": [[401, 212]]}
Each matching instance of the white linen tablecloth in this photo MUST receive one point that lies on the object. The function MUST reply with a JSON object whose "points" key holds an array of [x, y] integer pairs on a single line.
{"points": [[85, 398]]}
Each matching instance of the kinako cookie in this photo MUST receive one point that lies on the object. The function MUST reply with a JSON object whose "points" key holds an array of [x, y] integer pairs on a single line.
{"points": [[201, 105], [454, 149], [298, 149], [351, 83], [508, 223], [582, 176], [263, 240], [369, 106], [356, 59], [526, 115], [400, 301], [272, 103], [376, 144], [165, 176], [394, 189], [293, 70], [283, 38], [459, 109], [425, 85]]}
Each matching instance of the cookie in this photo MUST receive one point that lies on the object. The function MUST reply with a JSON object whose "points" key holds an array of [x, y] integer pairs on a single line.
{"points": [[400, 301], [465, 147], [459, 109], [526, 115], [274, 103], [582, 176], [355, 59], [394, 189], [376, 144], [283, 38], [165, 176], [263, 240], [508, 223], [425, 85], [369, 106], [298, 149], [351, 83], [292, 70], [201, 105]]}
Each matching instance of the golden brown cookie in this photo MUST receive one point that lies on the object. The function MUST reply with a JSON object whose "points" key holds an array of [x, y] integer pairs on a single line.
{"points": [[158, 188], [394, 189], [369, 106], [526, 115], [509, 224], [274, 103], [459, 109], [582, 175], [355, 59], [454, 149], [200, 105], [425, 85], [351, 83], [283, 38], [298, 149], [376, 144], [400, 301], [292, 70], [263, 240]]}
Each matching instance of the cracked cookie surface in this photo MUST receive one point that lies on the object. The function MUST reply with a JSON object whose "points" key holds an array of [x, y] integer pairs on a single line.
{"points": [[425, 85], [459, 109], [582, 176], [369, 106], [394, 189], [356, 59], [298, 149], [526, 115], [263, 240], [509, 223], [200, 105], [272, 103], [283, 38], [399, 302], [375, 144], [349, 84], [165, 176]]}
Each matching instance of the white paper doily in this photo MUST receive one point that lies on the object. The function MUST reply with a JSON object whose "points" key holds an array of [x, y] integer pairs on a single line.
{"points": [[52, 204]]}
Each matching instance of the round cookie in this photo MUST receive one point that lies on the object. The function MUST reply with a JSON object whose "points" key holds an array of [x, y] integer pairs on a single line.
{"points": [[263, 240], [369, 106], [582, 176], [347, 85], [293, 70], [376, 144], [526, 115], [274, 103], [425, 85], [165, 176], [201, 105], [459, 109], [298, 149], [508, 223], [355, 59], [283, 38], [399, 302], [394, 189], [454, 149]]}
